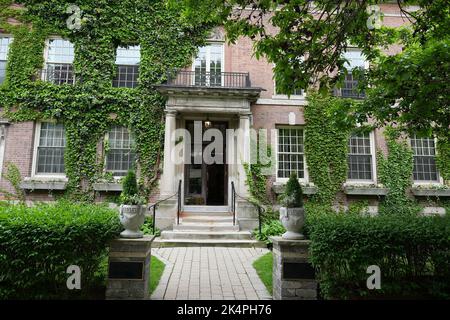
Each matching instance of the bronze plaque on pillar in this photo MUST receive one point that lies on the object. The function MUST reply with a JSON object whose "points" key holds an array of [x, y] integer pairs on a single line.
{"points": [[126, 270], [297, 270]]}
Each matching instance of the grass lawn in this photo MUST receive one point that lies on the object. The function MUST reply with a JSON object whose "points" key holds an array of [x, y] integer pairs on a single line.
{"points": [[263, 267], [156, 271]]}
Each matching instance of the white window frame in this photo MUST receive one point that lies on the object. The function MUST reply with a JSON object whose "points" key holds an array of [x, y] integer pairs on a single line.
{"points": [[281, 180], [440, 180], [46, 52], [3, 35], [2, 146], [106, 140], [374, 164], [366, 62], [128, 64], [208, 59], [34, 173]]}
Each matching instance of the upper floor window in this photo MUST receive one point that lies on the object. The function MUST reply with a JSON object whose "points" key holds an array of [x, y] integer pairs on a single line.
{"points": [[296, 92], [291, 153], [208, 67], [120, 156], [49, 151], [349, 88], [361, 157], [127, 62], [4, 48], [59, 59], [424, 152]]}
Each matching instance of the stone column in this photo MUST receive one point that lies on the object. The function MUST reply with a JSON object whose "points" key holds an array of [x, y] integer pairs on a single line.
{"points": [[293, 275], [168, 185], [243, 152], [129, 269]]}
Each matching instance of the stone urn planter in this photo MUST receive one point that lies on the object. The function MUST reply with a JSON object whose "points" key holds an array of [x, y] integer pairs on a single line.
{"points": [[132, 218], [131, 213], [292, 213], [293, 220]]}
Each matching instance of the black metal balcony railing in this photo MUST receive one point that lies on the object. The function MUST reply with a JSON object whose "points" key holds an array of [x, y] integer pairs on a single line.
{"points": [[209, 79]]}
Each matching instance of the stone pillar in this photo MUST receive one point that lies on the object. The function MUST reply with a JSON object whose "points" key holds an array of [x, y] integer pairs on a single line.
{"points": [[168, 183], [293, 275], [129, 269], [243, 152]]}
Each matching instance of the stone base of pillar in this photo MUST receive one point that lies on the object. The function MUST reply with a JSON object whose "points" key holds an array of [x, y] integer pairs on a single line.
{"points": [[129, 269], [293, 275], [166, 213], [246, 214]]}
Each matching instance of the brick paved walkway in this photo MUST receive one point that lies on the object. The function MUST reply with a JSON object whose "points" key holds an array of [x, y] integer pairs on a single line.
{"points": [[209, 273]]}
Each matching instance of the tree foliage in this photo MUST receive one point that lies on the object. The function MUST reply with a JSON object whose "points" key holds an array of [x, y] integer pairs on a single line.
{"points": [[306, 39]]}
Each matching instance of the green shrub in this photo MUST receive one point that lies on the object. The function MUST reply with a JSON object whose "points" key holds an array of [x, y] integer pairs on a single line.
{"points": [[413, 253], [268, 229], [293, 195], [130, 193], [38, 244], [147, 227]]}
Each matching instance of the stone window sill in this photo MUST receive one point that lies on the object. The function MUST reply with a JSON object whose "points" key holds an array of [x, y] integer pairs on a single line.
{"points": [[365, 191], [44, 184], [108, 186], [278, 188], [422, 192]]}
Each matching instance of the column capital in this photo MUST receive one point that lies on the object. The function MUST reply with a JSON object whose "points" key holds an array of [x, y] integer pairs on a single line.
{"points": [[170, 113], [244, 115]]}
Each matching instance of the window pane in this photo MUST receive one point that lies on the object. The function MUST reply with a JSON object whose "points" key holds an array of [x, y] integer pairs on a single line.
{"points": [[60, 51], [120, 157], [4, 47], [290, 152], [359, 157], [127, 72], [424, 159], [50, 153]]}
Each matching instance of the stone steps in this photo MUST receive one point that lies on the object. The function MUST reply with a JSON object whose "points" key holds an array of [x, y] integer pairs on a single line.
{"points": [[206, 219], [206, 226], [160, 243], [206, 235], [214, 227]]}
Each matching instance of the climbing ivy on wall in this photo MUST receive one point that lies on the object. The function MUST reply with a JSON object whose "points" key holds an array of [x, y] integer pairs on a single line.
{"points": [[395, 173], [326, 139], [443, 158], [92, 105]]}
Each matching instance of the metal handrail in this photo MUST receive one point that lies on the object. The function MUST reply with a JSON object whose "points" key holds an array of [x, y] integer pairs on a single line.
{"points": [[155, 205], [234, 194]]}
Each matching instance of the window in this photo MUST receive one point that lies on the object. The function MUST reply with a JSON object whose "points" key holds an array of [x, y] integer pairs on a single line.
{"points": [[120, 156], [4, 46], [50, 149], [59, 69], [360, 157], [291, 155], [355, 60], [424, 151], [208, 66], [127, 62], [297, 92]]}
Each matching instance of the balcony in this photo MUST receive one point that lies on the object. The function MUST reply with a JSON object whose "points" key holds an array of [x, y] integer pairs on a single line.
{"points": [[213, 92], [209, 79]]}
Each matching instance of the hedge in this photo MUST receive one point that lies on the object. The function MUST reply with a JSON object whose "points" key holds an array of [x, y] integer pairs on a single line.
{"points": [[37, 245], [413, 253]]}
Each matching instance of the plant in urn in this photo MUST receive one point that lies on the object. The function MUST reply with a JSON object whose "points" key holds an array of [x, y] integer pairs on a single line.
{"points": [[132, 213], [292, 214]]}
